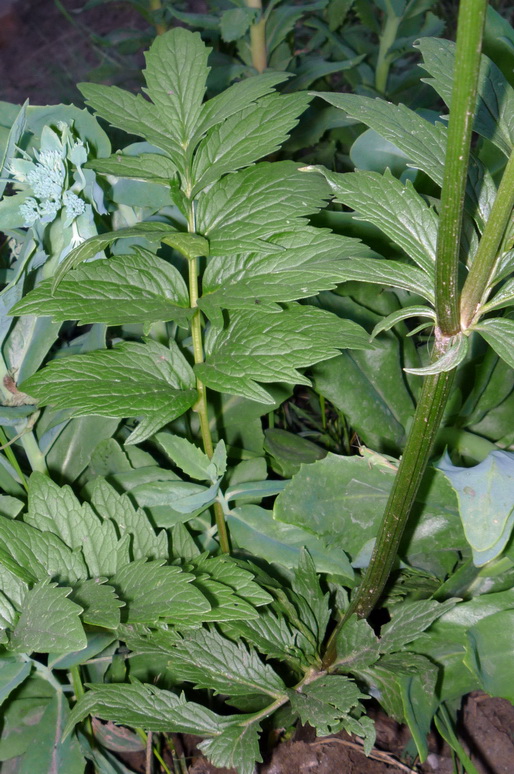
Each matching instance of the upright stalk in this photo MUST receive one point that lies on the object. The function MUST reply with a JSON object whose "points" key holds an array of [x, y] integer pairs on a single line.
{"points": [[436, 388], [484, 262], [201, 404], [470, 26], [258, 38], [156, 5], [387, 39]]}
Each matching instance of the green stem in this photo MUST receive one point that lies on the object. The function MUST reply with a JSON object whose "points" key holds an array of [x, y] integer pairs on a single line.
{"points": [[201, 404], [429, 412], [258, 38], [484, 262], [387, 39], [144, 738], [462, 110], [12, 458], [34, 454], [156, 5]]}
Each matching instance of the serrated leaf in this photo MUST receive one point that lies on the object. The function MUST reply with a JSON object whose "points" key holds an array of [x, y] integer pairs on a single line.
{"points": [[48, 622], [176, 74], [270, 634], [153, 591], [357, 645], [154, 167], [188, 457], [499, 334], [242, 210], [247, 136], [395, 208], [326, 702], [228, 572], [236, 747], [270, 347], [132, 114], [454, 355], [147, 381], [304, 263], [494, 118], [236, 98], [209, 660], [226, 604], [110, 505], [486, 502], [402, 314], [153, 231], [306, 584], [42, 554], [138, 288], [189, 245], [100, 604], [409, 620], [57, 510], [148, 707]]}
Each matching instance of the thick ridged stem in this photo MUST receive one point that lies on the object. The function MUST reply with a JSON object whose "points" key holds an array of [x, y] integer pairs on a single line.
{"points": [[258, 38], [462, 110]]}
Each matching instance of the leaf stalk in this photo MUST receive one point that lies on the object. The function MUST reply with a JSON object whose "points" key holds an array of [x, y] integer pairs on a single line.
{"points": [[258, 38]]}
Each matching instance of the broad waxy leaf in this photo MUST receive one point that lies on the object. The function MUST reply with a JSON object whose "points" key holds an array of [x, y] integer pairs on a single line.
{"points": [[12, 674], [489, 653], [494, 117], [154, 167], [397, 209], [240, 211], [245, 137], [209, 660], [153, 591], [486, 502], [48, 622], [154, 231], [499, 333], [148, 707], [148, 381], [324, 703], [139, 288], [236, 747], [269, 347], [56, 510]]}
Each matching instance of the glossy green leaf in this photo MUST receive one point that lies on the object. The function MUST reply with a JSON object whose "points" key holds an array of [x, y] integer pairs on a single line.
{"points": [[147, 381], [495, 105], [499, 333], [240, 211], [100, 604], [247, 136], [270, 347], [402, 314], [153, 591], [56, 510], [409, 620], [138, 288], [148, 707], [188, 457], [503, 298], [325, 702], [237, 746], [396, 208], [154, 167], [489, 653], [154, 231], [12, 674], [48, 622], [209, 660], [486, 502]]}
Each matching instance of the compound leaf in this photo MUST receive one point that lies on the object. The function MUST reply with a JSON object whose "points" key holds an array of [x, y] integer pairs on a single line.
{"points": [[138, 288], [325, 703], [147, 381], [270, 347], [209, 660]]}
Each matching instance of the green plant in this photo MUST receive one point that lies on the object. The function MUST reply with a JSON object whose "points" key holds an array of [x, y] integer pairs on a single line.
{"points": [[196, 344]]}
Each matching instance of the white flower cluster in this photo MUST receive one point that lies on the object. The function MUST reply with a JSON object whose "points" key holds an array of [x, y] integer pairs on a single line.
{"points": [[47, 177]]}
